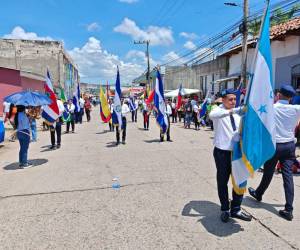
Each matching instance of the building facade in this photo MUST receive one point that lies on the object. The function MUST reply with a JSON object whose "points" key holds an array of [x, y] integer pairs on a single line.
{"points": [[35, 57]]}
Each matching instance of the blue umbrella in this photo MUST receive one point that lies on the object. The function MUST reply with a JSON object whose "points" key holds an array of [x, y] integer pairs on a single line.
{"points": [[28, 98]]}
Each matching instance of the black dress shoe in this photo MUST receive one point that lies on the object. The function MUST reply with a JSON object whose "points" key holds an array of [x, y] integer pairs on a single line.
{"points": [[225, 216], [241, 215], [286, 214], [253, 193], [123, 142], [58, 146], [53, 147]]}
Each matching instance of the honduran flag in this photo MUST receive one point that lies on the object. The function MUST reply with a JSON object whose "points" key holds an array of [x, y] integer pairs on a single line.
{"points": [[76, 98], [257, 143], [117, 113], [179, 98], [159, 104], [132, 106], [50, 112], [204, 105], [104, 107]]}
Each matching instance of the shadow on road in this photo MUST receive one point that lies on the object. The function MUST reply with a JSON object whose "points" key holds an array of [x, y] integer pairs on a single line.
{"points": [[142, 129], [35, 163], [111, 144], [103, 132], [209, 216], [46, 146], [152, 141], [250, 202]]}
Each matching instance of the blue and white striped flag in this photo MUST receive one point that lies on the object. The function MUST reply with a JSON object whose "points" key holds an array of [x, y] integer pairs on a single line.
{"points": [[257, 143], [132, 106], [117, 113], [76, 98], [159, 104]]}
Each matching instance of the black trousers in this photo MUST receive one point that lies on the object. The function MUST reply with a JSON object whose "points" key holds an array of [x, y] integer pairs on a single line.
{"points": [[88, 114], [285, 154], [146, 119], [111, 127], [197, 123], [124, 125], [223, 164], [72, 124], [56, 129], [80, 115], [134, 115], [168, 131]]}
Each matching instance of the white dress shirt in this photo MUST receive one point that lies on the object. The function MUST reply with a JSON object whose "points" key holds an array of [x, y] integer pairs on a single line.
{"points": [[286, 119], [224, 133], [71, 108], [125, 109], [61, 107], [168, 110], [81, 103]]}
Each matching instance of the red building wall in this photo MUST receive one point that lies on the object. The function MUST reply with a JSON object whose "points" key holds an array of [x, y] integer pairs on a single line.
{"points": [[11, 81]]}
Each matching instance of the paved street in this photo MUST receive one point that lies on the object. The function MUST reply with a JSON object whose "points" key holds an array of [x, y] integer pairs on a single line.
{"points": [[167, 200]]}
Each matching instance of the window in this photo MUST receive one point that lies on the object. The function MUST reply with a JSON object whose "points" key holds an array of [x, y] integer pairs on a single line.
{"points": [[296, 76]]}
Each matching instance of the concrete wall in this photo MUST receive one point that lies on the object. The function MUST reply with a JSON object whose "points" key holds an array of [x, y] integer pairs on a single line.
{"points": [[199, 76], [285, 55], [36, 57]]}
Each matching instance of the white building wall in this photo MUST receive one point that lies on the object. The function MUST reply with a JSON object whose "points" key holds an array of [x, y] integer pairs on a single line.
{"points": [[280, 49]]}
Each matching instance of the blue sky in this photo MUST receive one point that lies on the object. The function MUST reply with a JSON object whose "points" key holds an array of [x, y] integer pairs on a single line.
{"points": [[99, 34]]}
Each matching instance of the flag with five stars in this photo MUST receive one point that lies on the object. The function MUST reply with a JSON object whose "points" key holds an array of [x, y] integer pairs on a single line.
{"points": [[257, 142]]}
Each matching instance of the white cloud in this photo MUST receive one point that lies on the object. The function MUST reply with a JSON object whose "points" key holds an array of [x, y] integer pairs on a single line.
{"points": [[156, 35], [172, 56], [139, 57], [93, 27], [19, 33], [128, 1], [191, 36], [190, 45], [97, 64]]}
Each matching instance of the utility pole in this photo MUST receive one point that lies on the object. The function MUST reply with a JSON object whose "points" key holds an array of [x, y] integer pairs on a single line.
{"points": [[147, 42], [244, 44]]}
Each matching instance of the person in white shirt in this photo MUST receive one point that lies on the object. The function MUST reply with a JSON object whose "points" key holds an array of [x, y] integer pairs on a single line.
{"points": [[196, 110], [168, 113], [146, 115], [110, 123], [56, 128], [226, 123], [286, 119], [81, 105], [125, 111], [6, 106], [71, 121]]}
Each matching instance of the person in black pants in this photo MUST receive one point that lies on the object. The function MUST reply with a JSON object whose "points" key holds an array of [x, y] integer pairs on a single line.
{"points": [[56, 128], [226, 120], [71, 121], [124, 126], [286, 119]]}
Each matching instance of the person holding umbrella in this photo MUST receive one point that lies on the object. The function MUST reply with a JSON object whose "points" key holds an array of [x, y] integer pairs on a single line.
{"points": [[22, 100], [23, 134]]}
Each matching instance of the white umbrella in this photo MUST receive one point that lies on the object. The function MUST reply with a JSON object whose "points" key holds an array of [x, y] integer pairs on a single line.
{"points": [[184, 91]]}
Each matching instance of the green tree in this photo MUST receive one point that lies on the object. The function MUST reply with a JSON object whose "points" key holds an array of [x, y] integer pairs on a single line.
{"points": [[279, 16]]}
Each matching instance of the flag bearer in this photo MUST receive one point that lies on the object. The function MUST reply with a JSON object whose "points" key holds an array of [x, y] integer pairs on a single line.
{"points": [[56, 127], [286, 119], [125, 110], [226, 123], [168, 113]]}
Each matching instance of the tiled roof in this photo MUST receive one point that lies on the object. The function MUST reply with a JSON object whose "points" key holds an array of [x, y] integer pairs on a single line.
{"points": [[284, 28]]}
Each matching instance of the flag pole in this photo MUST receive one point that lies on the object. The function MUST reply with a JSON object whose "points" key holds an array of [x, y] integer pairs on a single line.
{"points": [[256, 51]]}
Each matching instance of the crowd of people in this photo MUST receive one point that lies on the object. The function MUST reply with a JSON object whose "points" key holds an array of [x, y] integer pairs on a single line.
{"points": [[221, 115]]}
